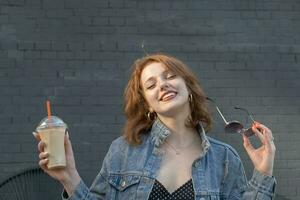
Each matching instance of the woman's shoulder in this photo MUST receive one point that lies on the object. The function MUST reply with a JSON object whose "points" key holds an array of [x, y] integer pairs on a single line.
{"points": [[122, 142], [119, 141], [120, 147]]}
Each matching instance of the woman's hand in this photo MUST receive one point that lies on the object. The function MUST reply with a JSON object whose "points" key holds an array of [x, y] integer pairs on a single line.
{"points": [[68, 176], [262, 157]]}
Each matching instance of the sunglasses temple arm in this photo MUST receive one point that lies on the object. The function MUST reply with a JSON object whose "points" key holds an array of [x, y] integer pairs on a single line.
{"points": [[221, 115], [244, 109], [251, 117]]}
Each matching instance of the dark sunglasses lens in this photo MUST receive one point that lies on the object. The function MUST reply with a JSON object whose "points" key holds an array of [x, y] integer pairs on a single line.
{"points": [[234, 127], [248, 132]]}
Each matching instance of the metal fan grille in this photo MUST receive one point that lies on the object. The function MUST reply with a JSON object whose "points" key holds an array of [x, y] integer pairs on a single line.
{"points": [[30, 184]]}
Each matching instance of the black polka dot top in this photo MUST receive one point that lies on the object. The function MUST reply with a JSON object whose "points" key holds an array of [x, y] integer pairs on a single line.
{"points": [[184, 192]]}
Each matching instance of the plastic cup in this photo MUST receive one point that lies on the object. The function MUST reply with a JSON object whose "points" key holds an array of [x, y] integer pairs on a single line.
{"points": [[52, 132]]}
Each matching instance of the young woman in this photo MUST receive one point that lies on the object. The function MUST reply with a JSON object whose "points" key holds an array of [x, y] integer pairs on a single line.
{"points": [[164, 152]]}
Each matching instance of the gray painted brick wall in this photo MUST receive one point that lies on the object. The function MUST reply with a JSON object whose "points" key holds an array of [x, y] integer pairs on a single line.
{"points": [[78, 55]]}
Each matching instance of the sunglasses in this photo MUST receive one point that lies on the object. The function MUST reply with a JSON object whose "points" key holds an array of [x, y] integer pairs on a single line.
{"points": [[235, 126]]}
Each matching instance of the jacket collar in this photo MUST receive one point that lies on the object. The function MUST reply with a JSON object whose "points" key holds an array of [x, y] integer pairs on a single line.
{"points": [[159, 133]]}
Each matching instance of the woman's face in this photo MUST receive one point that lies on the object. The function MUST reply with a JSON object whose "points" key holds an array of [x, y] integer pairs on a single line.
{"points": [[165, 92]]}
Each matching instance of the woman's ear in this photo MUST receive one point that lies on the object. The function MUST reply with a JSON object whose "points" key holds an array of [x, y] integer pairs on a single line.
{"points": [[150, 109]]}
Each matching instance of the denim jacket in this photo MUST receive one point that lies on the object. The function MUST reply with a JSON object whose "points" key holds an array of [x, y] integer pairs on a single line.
{"points": [[129, 172]]}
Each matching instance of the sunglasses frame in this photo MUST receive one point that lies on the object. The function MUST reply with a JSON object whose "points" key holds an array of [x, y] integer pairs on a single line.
{"points": [[234, 126]]}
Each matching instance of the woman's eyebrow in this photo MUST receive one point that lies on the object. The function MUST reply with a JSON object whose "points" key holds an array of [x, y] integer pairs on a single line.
{"points": [[167, 71], [152, 79]]}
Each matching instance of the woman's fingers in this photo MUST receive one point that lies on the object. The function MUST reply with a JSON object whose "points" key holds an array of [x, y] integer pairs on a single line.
{"points": [[43, 162], [248, 146], [258, 133], [265, 130], [68, 145], [36, 135], [41, 146], [43, 155], [265, 136]]}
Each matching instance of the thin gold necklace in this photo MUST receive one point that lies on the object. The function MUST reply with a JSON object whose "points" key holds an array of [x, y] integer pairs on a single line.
{"points": [[177, 150]]}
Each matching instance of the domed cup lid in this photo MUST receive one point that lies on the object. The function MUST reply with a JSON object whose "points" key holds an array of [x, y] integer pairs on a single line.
{"points": [[50, 122]]}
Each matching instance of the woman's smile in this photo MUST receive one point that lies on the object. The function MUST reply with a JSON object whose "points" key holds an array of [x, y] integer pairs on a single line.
{"points": [[168, 96]]}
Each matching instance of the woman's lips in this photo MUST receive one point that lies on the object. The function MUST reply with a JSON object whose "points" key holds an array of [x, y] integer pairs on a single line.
{"points": [[168, 96]]}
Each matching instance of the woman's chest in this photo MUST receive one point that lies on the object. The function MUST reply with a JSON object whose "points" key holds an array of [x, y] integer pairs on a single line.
{"points": [[175, 170]]}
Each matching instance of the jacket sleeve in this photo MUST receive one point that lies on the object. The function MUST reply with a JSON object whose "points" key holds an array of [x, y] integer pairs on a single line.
{"points": [[259, 187], [98, 189]]}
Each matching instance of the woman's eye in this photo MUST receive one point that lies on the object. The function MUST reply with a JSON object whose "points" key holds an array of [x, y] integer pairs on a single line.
{"points": [[171, 76], [150, 86]]}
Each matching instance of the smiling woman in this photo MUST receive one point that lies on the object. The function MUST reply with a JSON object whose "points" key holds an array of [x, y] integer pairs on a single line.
{"points": [[164, 152], [149, 74]]}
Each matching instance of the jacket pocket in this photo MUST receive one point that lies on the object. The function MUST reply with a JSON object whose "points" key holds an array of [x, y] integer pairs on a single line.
{"points": [[122, 182]]}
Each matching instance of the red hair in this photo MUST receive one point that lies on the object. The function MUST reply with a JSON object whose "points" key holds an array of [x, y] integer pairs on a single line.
{"points": [[135, 105]]}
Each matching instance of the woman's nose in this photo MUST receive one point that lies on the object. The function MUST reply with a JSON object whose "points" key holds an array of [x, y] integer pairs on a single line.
{"points": [[164, 85]]}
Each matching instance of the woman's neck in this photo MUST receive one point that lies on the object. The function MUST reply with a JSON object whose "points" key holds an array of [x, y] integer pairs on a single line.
{"points": [[181, 135]]}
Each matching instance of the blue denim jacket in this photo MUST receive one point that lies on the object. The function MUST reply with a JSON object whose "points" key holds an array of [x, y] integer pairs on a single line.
{"points": [[129, 172]]}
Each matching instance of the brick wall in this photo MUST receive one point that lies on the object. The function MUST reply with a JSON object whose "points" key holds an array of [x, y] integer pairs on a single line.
{"points": [[78, 54]]}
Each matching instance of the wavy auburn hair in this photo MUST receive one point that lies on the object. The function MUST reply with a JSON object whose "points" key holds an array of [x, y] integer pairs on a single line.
{"points": [[136, 107]]}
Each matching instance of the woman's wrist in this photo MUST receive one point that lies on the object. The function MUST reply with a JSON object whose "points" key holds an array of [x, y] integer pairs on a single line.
{"points": [[71, 182], [266, 173]]}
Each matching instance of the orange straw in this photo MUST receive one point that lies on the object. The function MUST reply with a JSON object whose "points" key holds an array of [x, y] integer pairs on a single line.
{"points": [[48, 109]]}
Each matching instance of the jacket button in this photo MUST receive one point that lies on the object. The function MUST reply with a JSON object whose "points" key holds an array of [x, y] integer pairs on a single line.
{"points": [[123, 184]]}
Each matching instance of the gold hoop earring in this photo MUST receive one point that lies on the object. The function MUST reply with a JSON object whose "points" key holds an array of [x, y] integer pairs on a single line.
{"points": [[190, 98], [151, 115]]}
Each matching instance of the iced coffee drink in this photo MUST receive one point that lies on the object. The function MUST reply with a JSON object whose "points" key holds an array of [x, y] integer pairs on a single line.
{"points": [[52, 131]]}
